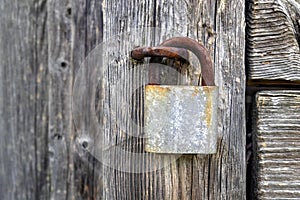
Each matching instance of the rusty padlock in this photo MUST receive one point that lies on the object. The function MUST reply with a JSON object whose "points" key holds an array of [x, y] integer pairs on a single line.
{"points": [[180, 119]]}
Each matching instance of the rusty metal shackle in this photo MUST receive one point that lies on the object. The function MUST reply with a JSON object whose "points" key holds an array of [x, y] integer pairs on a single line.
{"points": [[176, 48]]}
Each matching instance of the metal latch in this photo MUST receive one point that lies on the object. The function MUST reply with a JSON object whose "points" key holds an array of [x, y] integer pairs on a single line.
{"points": [[180, 119]]}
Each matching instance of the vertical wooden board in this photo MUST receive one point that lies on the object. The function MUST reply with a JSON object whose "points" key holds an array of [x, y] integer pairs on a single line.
{"points": [[87, 30], [52, 77], [24, 111], [123, 17], [228, 166], [179, 18], [276, 138], [61, 135], [273, 41], [42, 100], [219, 176]]}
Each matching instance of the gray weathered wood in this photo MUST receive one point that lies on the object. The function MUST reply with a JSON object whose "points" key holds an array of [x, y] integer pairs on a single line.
{"points": [[42, 45], [23, 100], [273, 41], [88, 25], [60, 133], [273, 58], [276, 139], [199, 177]]}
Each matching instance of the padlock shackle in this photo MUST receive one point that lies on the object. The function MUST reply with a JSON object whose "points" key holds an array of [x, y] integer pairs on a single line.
{"points": [[177, 48], [140, 53], [200, 51]]}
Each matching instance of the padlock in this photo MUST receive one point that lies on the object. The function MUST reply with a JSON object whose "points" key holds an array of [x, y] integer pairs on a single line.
{"points": [[180, 119]]}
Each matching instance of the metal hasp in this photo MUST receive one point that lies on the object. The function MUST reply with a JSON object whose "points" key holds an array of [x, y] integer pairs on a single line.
{"points": [[180, 119]]}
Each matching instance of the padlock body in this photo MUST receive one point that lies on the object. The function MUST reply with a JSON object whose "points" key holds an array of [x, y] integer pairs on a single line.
{"points": [[181, 119]]}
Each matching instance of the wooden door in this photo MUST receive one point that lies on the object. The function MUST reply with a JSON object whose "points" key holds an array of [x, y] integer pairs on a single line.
{"points": [[43, 152], [273, 85]]}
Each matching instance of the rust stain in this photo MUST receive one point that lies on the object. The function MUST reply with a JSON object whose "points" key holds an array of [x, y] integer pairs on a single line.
{"points": [[209, 104], [196, 92], [160, 91]]}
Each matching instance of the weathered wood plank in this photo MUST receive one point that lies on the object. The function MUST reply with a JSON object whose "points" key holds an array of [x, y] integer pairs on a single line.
{"points": [[87, 30], [229, 166], [123, 17], [61, 134], [276, 143], [43, 45], [273, 41], [23, 104], [219, 176]]}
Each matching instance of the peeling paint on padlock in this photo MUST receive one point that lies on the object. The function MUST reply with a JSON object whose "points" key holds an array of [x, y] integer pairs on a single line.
{"points": [[181, 119], [209, 104]]}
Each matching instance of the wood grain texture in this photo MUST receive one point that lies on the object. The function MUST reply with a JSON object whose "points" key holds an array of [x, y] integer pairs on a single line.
{"points": [[87, 19], [60, 133], [276, 138], [220, 176], [273, 41], [42, 46], [23, 100]]}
